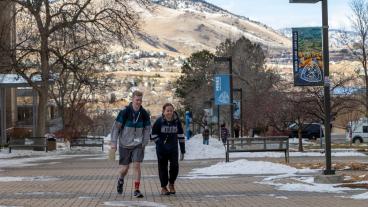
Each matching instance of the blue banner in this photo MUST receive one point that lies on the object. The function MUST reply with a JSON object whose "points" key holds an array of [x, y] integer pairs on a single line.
{"points": [[188, 119], [222, 89], [237, 108], [307, 56]]}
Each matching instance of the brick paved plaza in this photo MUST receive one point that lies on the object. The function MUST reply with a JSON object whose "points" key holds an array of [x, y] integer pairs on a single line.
{"points": [[81, 181]]}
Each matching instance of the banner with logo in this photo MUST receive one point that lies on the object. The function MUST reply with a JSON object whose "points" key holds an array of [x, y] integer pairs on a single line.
{"points": [[237, 106], [222, 89], [307, 56]]}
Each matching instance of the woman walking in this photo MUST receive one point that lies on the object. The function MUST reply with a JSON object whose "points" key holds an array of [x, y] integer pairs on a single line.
{"points": [[167, 132]]}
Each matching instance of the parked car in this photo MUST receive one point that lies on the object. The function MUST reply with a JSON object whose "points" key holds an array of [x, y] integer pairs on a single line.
{"points": [[309, 130], [357, 131]]}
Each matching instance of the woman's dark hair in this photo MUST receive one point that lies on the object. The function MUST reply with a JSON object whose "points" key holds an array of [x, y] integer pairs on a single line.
{"points": [[223, 125], [166, 105]]}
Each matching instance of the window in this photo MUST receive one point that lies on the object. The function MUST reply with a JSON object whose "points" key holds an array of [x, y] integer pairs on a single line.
{"points": [[365, 129]]}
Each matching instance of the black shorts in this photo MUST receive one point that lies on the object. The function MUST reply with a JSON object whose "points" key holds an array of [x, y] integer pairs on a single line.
{"points": [[127, 155]]}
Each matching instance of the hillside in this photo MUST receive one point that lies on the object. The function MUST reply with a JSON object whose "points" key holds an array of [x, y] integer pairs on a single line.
{"points": [[177, 28], [181, 27]]}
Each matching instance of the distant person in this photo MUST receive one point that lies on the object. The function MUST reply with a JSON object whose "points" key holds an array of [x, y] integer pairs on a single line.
{"points": [[224, 133], [206, 135], [236, 131], [167, 132], [131, 132]]}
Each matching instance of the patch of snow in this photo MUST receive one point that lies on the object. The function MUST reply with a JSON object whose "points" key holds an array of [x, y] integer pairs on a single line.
{"points": [[195, 150], [363, 196], [43, 193], [244, 167], [326, 188], [30, 179]]}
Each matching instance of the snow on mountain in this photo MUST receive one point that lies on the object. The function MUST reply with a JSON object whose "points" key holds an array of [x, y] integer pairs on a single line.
{"points": [[337, 38], [181, 27]]}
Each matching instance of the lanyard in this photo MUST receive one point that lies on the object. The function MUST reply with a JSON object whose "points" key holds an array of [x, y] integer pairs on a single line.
{"points": [[135, 120]]}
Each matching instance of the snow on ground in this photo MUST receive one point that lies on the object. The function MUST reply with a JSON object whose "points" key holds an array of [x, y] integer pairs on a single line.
{"points": [[301, 179], [23, 158], [247, 167], [363, 196], [196, 150], [303, 183], [30, 161], [30, 179]]}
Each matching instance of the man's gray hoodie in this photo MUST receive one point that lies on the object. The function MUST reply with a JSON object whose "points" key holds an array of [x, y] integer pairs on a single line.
{"points": [[131, 128]]}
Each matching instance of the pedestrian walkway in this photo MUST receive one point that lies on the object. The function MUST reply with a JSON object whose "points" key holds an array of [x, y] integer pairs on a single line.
{"points": [[82, 181]]}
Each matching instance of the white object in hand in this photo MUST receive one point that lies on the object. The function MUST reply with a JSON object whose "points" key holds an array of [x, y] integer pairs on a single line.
{"points": [[112, 154]]}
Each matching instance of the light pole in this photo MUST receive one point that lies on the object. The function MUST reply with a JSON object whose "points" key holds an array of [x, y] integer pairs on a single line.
{"points": [[327, 105], [240, 90], [228, 59]]}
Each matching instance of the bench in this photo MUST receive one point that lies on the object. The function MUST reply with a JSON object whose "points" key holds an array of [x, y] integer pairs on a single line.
{"points": [[28, 142], [258, 144], [87, 142]]}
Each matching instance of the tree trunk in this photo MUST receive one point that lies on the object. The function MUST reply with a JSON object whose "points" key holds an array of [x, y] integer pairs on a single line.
{"points": [[43, 92], [300, 140], [366, 93], [364, 63], [42, 112]]}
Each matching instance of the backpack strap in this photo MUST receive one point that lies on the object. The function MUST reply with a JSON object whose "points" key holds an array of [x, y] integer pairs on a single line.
{"points": [[125, 117], [145, 115]]}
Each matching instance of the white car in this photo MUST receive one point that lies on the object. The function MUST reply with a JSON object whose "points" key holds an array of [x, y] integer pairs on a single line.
{"points": [[357, 131]]}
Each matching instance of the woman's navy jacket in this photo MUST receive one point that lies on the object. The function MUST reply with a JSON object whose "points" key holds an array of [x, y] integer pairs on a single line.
{"points": [[166, 134]]}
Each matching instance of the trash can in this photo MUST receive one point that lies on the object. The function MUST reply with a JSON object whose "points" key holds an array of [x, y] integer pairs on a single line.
{"points": [[51, 144]]}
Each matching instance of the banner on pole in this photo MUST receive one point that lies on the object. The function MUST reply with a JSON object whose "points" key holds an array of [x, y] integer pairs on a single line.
{"points": [[222, 89], [237, 106], [188, 120], [307, 56]]}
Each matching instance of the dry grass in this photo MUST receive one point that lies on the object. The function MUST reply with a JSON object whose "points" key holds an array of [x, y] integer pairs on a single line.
{"points": [[352, 171], [337, 166], [354, 185]]}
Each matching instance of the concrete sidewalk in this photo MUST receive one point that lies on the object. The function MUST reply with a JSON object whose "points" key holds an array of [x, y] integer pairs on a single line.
{"points": [[86, 182]]}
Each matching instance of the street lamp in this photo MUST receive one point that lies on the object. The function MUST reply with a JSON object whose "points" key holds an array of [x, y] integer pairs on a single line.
{"points": [[240, 90], [229, 60], [327, 106]]}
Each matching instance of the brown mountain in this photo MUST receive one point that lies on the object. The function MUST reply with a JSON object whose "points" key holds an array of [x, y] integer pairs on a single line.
{"points": [[181, 27]]}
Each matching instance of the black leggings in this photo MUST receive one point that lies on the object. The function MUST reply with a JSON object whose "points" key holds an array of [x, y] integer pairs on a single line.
{"points": [[163, 160]]}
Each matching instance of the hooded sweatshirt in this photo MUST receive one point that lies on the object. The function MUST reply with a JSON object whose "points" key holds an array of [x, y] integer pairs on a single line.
{"points": [[166, 134], [131, 128]]}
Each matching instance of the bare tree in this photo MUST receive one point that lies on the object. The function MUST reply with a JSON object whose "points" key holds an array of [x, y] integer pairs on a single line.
{"points": [[342, 101], [359, 21], [298, 107], [305, 104], [41, 25]]}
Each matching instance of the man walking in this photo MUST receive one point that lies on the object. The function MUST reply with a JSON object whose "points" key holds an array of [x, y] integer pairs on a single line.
{"points": [[206, 135], [131, 131]]}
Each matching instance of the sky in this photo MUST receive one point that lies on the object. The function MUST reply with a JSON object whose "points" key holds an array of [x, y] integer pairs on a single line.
{"points": [[281, 14]]}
